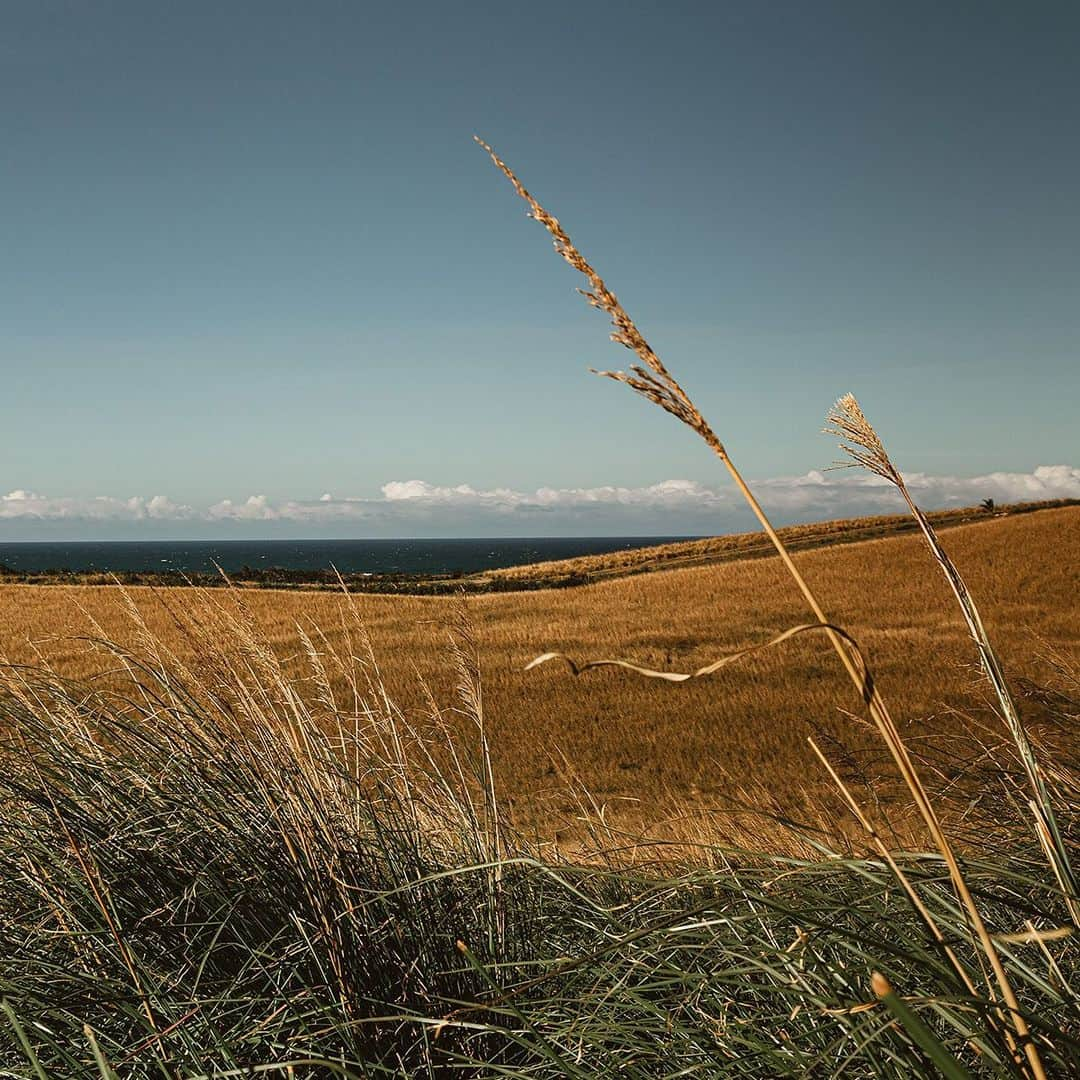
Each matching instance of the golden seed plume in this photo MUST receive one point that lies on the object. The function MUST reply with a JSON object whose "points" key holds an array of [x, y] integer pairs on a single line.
{"points": [[650, 378], [858, 440]]}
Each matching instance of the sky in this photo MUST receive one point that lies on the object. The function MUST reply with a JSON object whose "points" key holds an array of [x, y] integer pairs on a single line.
{"points": [[257, 279]]}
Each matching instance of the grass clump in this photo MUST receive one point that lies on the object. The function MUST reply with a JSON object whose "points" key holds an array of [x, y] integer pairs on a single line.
{"points": [[226, 865]]}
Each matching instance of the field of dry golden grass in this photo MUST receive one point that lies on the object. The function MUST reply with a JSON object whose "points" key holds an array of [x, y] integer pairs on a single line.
{"points": [[645, 749]]}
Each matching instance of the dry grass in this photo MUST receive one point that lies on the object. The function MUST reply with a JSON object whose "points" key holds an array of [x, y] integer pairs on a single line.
{"points": [[646, 750], [227, 869]]}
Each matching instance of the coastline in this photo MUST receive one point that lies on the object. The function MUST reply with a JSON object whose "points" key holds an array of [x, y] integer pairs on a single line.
{"points": [[561, 573]]}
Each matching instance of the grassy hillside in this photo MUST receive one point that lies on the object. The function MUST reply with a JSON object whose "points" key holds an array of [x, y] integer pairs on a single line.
{"points": [[646, 750], [750, 545]]}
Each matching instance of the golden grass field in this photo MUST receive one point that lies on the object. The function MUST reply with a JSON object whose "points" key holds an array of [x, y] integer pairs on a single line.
{"points": [[646, 749]]}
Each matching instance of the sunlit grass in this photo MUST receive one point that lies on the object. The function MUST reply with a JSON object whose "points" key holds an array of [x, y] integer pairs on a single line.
{"points": [[222, 862]]}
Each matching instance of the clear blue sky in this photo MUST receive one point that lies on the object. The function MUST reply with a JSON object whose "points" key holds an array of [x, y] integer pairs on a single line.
{"points": [[251, 249]]}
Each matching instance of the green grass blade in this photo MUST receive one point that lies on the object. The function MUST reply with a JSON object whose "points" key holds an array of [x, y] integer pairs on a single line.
{"points": [[24, 1041], [918, 1030]]}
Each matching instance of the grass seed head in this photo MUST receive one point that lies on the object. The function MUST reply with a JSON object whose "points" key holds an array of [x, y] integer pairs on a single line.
{"points": [[858, 440], [651, 379]]}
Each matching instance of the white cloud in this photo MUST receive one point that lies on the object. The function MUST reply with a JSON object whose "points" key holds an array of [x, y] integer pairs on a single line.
{"points": [[29, 504], [668, 493], [161, 506], [416, 507], [845, 488], [401, 490], [255, 508]]}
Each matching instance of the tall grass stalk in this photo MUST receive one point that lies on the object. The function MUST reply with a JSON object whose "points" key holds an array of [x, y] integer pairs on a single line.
{"points": [[862, 445], [652, 380]]}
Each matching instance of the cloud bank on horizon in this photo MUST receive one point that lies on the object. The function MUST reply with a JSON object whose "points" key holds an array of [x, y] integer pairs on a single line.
{"points": [[418, 508]]}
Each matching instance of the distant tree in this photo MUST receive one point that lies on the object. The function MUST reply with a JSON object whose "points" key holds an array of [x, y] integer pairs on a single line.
{"points": [[987, 505]]}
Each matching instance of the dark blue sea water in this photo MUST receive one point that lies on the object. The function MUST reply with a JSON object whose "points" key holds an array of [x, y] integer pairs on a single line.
{"points": [[349, 556]]}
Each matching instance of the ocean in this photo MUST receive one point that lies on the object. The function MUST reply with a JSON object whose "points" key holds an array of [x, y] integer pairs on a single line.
{"points": [[348, 556]]}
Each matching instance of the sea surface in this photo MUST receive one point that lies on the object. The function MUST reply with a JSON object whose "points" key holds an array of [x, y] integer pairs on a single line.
{"points": [[348, 556]]}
